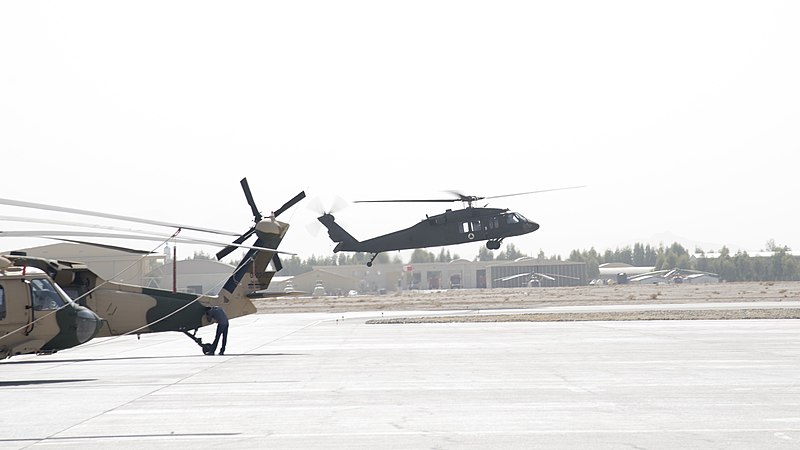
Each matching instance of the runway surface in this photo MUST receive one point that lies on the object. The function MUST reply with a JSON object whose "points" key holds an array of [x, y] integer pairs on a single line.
{"points": [[332, 381]]}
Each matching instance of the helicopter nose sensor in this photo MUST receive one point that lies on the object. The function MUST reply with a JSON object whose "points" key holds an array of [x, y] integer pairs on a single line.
{"points": [[87, 324]]}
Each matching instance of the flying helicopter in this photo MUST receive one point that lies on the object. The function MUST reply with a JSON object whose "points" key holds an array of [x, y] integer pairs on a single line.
{"points": [[469, 224], [128, 309]]}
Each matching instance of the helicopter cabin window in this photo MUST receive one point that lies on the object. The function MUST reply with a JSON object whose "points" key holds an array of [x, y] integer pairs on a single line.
{"points": [[494, 223], [467, 227], [2, 303], [44, 295]]}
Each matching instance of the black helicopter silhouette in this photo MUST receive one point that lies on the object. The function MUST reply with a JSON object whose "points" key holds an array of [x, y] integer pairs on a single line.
{"points": [[470, 224]]}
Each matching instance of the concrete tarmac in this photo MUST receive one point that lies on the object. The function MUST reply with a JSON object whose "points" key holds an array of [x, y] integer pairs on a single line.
{"points": [[299, 381]]}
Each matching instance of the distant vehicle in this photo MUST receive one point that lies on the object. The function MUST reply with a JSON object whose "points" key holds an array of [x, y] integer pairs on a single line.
{"points": [[470, 224], [319, 289]]}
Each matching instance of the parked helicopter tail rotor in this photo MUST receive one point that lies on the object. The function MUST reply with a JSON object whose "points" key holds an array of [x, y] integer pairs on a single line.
{"points": [[250, 201], [257, 217]]}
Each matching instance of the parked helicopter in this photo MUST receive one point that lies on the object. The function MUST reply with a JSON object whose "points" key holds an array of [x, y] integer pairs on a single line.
{"points": [[534, 279], [469, 224], [128, 309], [36, 316]]}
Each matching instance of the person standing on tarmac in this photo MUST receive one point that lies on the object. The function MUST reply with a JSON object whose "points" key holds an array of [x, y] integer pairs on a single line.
{"points": [[216, 314]]}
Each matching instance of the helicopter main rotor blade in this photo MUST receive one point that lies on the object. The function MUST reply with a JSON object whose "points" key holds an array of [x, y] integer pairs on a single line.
{"points": [[187, 240], [410, 201], [21, 204], [463, 197], [532, 192], [250, 201]]}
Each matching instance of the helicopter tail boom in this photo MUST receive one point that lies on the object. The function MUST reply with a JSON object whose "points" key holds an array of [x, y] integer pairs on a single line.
{"points": [[345, 241]]}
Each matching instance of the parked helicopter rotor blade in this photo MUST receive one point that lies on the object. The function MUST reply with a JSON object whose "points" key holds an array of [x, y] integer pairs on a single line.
{"points": [[276, 261], [110, 247], [76, 224], [550, 275], [511, 277], [152, 237], [250, 201], [42, 206], [290, 203], [229, 248]]}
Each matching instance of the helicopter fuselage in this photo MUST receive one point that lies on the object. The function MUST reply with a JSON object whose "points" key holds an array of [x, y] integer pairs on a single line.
{"points": [[449, 228]]}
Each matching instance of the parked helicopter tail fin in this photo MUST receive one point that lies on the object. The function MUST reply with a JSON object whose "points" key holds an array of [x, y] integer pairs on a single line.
{"points": [[253, 273], [337, 234]]}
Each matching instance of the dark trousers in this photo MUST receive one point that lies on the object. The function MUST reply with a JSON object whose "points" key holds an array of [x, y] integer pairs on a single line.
{"points": [[222, 330]]}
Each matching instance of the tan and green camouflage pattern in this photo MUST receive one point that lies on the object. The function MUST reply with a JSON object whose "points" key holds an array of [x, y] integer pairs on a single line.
{"points": [[25, 330], [127, 309]]}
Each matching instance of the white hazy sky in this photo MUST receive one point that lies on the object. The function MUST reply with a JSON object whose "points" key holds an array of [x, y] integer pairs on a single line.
{"points": [[681, 117]]}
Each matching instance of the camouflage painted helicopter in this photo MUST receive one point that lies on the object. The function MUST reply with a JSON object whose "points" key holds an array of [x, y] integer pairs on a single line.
{"points": [[470, 224], [36, 316], [128, 309]]}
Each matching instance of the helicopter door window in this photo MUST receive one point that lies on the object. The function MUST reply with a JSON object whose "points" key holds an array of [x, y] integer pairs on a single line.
{"points": [[476, 225], [494, 223], [465, 227], [44, 295], [2, 303]]}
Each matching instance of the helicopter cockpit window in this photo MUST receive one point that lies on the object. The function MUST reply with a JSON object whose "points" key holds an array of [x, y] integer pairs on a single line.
{"points": [[2, 303], [521, 218], [45, 295], [512, 219]]}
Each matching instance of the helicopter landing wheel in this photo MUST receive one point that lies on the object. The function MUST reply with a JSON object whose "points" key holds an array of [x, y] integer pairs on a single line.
{"points": [[372, 258], [493, 245]]}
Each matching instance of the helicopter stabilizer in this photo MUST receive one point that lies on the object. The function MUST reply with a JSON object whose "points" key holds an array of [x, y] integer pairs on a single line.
{"points": [[345, 241]]}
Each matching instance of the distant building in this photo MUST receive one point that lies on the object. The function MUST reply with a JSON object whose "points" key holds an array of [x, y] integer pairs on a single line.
{"points": [[110, 264], [196, 276], [456, 274]]}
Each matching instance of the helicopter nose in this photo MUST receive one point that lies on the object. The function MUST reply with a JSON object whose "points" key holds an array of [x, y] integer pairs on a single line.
{"points": [[87, 325], [533, 226]]}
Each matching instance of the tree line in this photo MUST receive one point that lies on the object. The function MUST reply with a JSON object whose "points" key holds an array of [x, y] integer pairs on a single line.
{"points": [[779, 266]]}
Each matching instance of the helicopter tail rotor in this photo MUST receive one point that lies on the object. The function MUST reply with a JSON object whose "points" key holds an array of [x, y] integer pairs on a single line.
{"points": [[257, 217], [320, 207]]}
